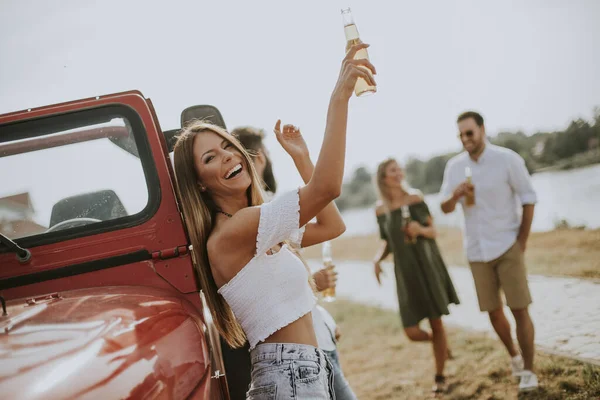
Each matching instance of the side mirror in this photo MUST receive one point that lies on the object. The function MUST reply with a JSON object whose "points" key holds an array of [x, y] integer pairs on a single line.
{"points": [[205, 112]]}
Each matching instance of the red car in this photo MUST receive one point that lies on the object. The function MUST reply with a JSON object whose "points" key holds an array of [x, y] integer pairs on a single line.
{"points": [[97, 283]]}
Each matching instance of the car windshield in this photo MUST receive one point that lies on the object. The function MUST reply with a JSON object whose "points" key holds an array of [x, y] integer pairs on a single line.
{"points": [[56, 179]]}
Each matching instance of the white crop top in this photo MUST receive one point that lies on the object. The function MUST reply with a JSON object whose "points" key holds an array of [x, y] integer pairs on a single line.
{"points": [[272, 291]]}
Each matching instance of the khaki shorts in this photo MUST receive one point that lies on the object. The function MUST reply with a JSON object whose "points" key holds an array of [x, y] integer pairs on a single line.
{"points": [[506, 272]]}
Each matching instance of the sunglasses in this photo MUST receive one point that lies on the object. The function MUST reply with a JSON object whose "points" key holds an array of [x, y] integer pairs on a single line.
{"points": [[468, 134]]}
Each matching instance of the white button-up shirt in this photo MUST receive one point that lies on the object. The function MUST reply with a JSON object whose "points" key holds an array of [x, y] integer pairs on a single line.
{"points": [[502, 184], [324, 326]]}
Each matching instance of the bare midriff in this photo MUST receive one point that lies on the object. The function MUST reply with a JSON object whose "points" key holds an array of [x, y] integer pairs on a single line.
{"points": [[300, 331]]}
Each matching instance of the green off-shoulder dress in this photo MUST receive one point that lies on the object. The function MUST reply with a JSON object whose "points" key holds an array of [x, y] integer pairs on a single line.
{"points": [[424, 286]]}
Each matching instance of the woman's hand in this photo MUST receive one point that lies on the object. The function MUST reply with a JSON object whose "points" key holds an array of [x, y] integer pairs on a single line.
{"points": [[352, 70], [325, 278], [291, 140], [325, 184], [413, 229], [378, 272]]}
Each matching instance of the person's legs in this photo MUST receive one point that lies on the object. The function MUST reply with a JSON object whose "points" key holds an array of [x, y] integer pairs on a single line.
{"points": [[525, 336], [440, 345], [503, 330], [487, 285], [513, 280], [416, 334], [341, 387]]}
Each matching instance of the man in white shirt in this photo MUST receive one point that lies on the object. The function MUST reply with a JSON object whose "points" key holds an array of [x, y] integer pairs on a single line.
{"points": [[496, 233]]}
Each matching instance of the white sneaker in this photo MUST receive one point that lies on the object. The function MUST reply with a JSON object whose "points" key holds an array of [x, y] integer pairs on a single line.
{"points": [[518, 365], [529, 381]]}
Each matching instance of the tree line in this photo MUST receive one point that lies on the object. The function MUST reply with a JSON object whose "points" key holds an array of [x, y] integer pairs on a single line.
{"points": [[576, 146]]}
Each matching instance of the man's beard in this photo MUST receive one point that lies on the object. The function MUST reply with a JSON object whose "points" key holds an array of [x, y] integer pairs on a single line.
{"points": [[477, 147]]}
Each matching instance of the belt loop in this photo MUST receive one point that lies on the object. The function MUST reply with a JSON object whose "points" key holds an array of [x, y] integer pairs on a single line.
{"points": [[320, 357], [279, 347]]}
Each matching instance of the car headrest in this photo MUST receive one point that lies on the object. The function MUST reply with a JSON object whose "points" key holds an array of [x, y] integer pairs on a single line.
{"points": [[103, 205], [204, 112]]}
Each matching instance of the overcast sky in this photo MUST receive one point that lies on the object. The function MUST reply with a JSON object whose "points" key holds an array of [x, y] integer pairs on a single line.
{"points": [[530, 65]]}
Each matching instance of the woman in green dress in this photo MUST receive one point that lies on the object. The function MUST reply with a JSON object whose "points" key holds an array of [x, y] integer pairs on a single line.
{"points": [[424, 287]]}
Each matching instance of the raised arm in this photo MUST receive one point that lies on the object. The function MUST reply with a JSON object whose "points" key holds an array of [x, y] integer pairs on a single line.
{"points": [[329, 223], [325, 184], [238, 237]]}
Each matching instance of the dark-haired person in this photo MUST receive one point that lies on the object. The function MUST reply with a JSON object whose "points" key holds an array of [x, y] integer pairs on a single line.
{"points": [[495, 233], [252, 140]]}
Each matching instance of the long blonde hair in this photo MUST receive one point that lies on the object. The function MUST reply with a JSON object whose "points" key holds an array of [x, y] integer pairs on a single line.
{"points": [[199, 212], [384, 191]]}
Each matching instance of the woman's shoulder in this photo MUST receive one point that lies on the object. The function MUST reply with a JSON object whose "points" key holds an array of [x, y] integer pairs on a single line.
{"points": [[415, 197], [416, 194], [232, 244], [380, 208], [235, 230]]}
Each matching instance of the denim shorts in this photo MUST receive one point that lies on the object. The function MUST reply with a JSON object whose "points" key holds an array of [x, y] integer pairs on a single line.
{"points": [[290, 371]]}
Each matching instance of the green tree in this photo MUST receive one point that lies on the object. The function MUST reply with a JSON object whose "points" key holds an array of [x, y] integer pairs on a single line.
{"points": [[562, 149]]}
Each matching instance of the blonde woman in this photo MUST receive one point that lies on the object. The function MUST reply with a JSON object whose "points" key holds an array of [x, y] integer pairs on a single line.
{"points": [[424, 287], [256, 286], [326, 329]]}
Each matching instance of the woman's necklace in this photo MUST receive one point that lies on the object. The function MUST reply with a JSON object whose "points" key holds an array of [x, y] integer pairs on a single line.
{"points": [[224, 213]]}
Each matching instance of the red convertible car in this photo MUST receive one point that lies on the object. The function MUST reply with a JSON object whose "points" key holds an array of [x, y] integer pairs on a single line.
{"points": [[97, 284]]}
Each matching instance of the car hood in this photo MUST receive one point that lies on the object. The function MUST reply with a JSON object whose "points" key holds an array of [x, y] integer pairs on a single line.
{"points": [[110, 342]]}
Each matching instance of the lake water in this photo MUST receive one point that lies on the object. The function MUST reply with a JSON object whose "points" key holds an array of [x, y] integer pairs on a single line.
{"points": [[572, 195]]}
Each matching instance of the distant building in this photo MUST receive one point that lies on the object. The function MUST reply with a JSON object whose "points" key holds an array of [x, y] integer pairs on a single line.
{"points": [[538, 149], [16, 217]]}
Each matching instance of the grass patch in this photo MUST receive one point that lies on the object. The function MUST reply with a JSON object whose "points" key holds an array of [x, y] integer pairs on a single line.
{"points": [[591, 378], [380, 363], [564, 252]]}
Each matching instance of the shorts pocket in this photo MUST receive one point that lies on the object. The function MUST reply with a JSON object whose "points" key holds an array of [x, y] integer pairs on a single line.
{"points": [[306, 371], [264, 366], [262, 393]]}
